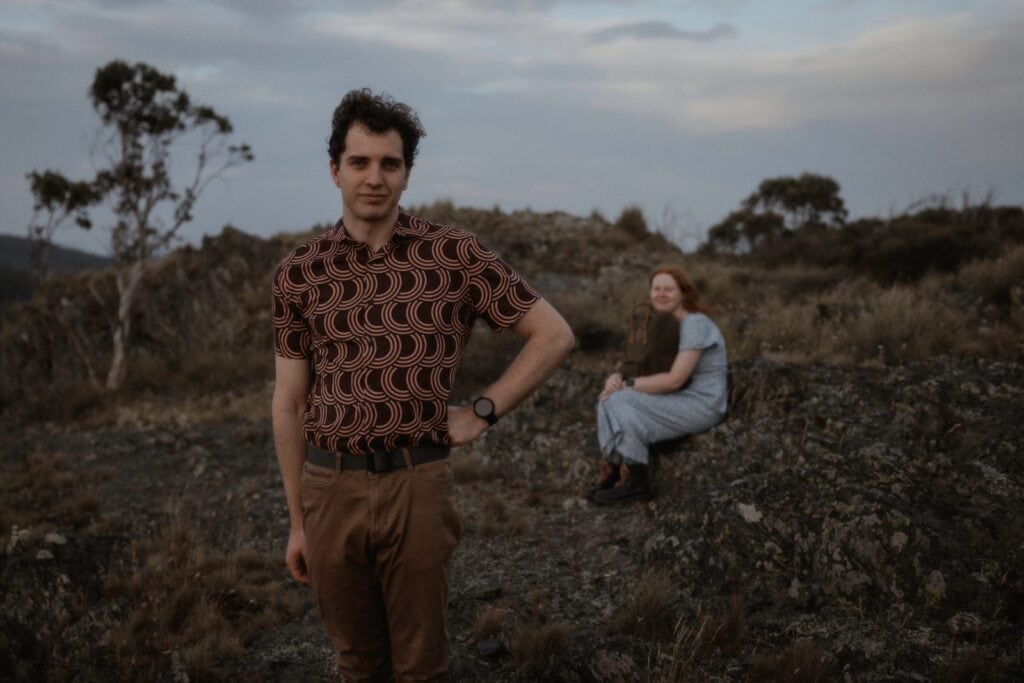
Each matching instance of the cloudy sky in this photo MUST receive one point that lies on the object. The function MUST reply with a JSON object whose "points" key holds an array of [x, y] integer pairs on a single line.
{"points": [[681, 106]]}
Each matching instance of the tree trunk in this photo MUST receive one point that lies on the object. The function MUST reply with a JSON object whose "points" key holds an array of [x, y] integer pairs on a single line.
{"points": [[127, 286]]}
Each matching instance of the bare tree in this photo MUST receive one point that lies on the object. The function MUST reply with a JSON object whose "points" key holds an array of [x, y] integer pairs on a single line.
{"points": [[144, 115]]}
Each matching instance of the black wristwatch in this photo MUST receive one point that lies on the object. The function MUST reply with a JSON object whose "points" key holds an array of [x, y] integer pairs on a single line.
{"points": [[483, 408], [630, 381]]}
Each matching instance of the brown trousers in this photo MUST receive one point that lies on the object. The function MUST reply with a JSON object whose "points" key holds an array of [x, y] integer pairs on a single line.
{"points": [[379, 551]]}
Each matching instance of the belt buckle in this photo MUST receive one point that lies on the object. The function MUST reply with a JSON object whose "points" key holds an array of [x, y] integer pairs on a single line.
{"points": [[375, 466]]}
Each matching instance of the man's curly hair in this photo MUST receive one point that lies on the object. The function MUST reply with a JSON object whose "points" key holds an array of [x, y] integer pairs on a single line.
{"points": [[379, 113]]}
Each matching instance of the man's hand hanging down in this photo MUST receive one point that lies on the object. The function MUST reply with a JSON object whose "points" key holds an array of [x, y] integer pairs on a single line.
{"points": [[295, 556]]}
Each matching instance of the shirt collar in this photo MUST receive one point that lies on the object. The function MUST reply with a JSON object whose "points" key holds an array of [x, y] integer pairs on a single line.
{"points": [[406, 227]]}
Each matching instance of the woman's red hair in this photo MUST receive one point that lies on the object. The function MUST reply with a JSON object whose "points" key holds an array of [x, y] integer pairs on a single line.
{"points": [[691, 298]]}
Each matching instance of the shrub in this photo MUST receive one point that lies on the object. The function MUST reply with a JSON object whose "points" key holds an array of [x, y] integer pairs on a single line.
{"points": [[632, 222], [995, 280]]}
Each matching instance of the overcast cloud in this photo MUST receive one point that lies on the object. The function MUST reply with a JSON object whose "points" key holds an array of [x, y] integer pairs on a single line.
{"points": [[680, 107]]}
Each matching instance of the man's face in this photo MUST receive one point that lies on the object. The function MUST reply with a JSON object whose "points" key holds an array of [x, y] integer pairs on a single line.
{"points": [[371, 174]]}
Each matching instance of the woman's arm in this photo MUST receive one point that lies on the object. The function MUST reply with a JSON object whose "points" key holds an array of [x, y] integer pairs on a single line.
{"points": [[674, 379]]}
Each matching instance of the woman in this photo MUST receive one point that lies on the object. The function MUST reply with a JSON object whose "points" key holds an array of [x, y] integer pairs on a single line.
{"points": [[634, 412]]}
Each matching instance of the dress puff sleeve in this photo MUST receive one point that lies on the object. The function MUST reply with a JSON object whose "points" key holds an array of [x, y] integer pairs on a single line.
{"points": [[696, 332]]}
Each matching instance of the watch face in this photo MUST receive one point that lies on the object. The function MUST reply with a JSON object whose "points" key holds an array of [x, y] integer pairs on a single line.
{"points": [[483, 406]]}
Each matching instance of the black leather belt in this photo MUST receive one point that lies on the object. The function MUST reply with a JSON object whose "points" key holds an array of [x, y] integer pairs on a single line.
{"points": [[377, 463]]}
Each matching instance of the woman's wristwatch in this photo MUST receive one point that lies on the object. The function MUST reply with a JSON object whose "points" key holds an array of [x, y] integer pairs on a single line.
{"points": [[630, 381]]}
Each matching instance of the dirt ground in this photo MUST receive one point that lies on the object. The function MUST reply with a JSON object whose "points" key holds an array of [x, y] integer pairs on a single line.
{"points": [[841, 524]]}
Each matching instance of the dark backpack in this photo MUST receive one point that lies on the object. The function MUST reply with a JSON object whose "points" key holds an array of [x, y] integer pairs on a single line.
{"points": [[652, 342]]}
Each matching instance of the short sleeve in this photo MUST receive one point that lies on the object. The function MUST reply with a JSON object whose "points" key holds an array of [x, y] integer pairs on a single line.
{"points": [[291, 334], [696, 332], [496, 292]]}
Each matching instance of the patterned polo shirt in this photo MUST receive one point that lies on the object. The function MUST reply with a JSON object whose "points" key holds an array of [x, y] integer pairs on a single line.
{"points": [[384, 332]]}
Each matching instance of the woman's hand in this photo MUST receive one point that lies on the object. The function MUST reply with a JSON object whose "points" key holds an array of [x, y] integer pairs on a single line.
{"points": [[611, 385]]}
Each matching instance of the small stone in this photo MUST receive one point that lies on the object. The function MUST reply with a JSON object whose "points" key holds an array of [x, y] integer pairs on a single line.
{"points": [[491, 647], [935, 587], [750, 513], [963, 623], [44, 554], [794, 588], [898, 540], [17, 536], [54, 538], [570, 504]]}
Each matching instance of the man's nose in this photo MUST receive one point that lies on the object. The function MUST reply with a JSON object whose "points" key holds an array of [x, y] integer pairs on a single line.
{"points": [[374, 176]]}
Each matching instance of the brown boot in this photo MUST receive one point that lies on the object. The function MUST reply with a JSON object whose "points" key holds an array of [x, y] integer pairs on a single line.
{"points": [[607, 477], [633, 484]]}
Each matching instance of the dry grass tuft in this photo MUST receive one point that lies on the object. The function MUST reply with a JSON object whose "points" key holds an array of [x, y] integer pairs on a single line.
{"points": [[495, 508], [536, 646], [685, 653], [45, 489], [649, 606], [722, 631], [725, 631], [519, 525], [493, 516], [186, 598], [997, 281], [488, 624], [801, 662]]}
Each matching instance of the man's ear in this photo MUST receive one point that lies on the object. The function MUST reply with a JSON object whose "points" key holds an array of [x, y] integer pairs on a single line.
{"points": [[333, 168]]}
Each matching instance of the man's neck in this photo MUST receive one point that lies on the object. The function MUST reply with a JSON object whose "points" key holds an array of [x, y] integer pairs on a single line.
{"points": [[374, 234]]}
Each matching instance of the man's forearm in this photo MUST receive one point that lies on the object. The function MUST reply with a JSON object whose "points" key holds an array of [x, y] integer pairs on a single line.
{"points": [[291, 454], [537, 360]]}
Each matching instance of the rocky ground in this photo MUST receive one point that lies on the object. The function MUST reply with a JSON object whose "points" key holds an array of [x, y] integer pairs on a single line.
{"points": [[842, 524]]}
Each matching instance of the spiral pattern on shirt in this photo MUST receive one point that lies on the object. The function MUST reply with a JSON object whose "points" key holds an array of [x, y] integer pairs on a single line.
{"points": [[384, 332]]}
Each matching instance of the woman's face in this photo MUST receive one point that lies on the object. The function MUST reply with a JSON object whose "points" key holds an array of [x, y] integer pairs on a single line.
{"points": [[665, 294]]}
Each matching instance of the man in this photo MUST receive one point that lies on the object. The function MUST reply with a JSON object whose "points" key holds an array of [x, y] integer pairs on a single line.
{"points": [[370, 321]]}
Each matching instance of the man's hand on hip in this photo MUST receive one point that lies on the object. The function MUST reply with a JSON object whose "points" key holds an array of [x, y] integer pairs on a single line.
{"points": [[464, 425], [295, 556]]}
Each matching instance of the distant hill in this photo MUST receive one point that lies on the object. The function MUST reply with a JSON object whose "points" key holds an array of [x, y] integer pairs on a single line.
{"points": [[16, 273]]}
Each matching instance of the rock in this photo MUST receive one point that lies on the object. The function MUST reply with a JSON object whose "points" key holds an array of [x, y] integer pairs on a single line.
{"points": [[44, 554], [17, 536], [963, 623], [935, 587], [491, 647], [750, 513], [55, 538]]}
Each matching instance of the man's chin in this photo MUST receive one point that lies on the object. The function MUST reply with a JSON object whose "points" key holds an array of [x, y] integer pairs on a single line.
{"points": [[373, 213]]}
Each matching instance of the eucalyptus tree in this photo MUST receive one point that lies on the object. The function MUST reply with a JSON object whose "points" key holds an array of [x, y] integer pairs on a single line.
{"points": [[145, 116]]}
